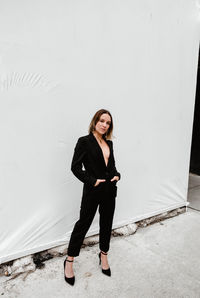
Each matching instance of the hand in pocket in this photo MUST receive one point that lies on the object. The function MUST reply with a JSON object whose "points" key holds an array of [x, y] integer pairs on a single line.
{"points": [[99, 181]]}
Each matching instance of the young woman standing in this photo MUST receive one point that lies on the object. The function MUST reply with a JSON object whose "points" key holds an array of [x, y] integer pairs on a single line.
{"points": [[95, 152]]}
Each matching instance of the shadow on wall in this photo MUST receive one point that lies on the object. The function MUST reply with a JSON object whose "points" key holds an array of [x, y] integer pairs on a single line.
{"points": [[195, 148]]}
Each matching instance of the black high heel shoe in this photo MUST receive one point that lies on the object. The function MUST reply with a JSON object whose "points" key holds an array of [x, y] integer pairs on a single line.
{"points": [[104, 271], [69, 280]]}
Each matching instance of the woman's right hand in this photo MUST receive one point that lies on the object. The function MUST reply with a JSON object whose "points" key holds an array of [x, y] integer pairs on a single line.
{"points": [[99, 181]]}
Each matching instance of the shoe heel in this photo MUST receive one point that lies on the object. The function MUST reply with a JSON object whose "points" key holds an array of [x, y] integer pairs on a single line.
{"points": [[104, 271], [69, 280]]}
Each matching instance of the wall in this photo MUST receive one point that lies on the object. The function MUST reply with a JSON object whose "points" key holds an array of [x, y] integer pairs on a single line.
{"points": [[60, 61]]}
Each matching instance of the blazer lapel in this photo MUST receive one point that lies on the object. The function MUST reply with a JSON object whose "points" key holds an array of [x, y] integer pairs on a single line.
{"points": [[99, 150]]}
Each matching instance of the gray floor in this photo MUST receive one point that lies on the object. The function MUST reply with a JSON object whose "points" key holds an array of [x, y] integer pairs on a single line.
{"points": [[194, 191], [161, 260]]}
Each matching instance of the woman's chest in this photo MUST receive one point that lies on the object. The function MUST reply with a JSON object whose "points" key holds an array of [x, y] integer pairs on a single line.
{"points": [[105, 150], [99, 152]]}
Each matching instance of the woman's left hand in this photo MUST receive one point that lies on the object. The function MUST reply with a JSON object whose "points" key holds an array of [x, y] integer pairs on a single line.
{"points": [[115, 178]]}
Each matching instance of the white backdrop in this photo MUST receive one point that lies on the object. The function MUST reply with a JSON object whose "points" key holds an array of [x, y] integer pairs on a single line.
{"points": [[61, 61]]}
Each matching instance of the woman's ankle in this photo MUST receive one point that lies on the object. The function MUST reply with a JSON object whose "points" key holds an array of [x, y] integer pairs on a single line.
{"points": [[104, 253]]}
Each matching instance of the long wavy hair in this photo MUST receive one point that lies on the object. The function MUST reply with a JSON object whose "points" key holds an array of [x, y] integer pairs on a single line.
{"points": [[108, 135]]}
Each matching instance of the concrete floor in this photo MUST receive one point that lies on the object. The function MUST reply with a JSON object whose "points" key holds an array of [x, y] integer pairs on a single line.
{"points": [[161, 260], [194, 191]]}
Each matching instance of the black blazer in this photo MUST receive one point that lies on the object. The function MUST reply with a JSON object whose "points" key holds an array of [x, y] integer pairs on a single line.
{"points": [[89, 154]]}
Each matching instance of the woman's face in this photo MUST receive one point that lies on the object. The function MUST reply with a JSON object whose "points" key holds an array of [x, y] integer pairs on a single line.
{"points": [[103, 124]]}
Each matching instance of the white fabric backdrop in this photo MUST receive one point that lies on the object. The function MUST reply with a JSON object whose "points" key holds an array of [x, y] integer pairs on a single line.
{"points": [[60, 61]]}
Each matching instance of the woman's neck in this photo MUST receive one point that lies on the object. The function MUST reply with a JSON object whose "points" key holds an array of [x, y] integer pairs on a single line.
{"points": [[98, 136]]}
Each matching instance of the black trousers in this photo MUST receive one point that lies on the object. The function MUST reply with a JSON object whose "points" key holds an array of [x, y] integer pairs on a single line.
{"points": [[103, 196]]}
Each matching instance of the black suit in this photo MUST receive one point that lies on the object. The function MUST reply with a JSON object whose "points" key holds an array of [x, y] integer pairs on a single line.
{"points": [[88, 153]]}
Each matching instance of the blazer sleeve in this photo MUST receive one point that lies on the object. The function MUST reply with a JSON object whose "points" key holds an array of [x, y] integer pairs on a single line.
{"points": [[77, 161], [114, 167]]}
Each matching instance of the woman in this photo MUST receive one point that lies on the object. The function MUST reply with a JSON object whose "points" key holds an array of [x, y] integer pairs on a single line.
{"points": [[95, 152]]}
